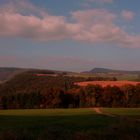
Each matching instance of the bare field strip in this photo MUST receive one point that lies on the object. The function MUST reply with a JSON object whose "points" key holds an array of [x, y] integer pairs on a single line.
{"points": [[107, 83]]}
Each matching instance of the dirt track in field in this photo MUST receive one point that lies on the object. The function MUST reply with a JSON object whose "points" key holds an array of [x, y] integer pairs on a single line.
{"points": [[99, 111]]}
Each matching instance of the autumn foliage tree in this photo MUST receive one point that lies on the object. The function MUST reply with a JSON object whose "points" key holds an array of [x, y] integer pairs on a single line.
{"points": [[30, 91]]}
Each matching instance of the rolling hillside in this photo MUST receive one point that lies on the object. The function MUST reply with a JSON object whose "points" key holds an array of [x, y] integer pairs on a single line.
{"points": [[119, 74], [7, 73], [106, 70]]}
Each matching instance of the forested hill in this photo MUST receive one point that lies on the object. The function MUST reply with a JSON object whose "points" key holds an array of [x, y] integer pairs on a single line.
{"points": [[28, 82], [7, 73], [30, 90], [106, 70], [39, 80]]}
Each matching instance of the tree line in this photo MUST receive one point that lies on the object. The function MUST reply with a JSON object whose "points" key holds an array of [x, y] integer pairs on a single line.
{"points": [[27, 91]]}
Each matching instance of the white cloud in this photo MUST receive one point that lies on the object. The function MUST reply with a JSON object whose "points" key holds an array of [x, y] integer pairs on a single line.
{"points": [[128, 15], [99, 26], [47, 28], [94, 16], [91, 26]]}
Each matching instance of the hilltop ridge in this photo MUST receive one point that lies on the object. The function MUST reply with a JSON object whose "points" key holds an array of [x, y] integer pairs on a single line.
{"points": [[107, 70]]}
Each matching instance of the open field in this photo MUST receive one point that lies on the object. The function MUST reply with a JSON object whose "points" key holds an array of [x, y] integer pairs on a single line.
{"points": [[120, 77], [72, 119], [128, 112], [107, 83], [68, 124], [128, 77]]}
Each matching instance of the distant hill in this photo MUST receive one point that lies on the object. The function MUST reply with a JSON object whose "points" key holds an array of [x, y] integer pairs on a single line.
{"points": [[7, 73], [107, 71]]}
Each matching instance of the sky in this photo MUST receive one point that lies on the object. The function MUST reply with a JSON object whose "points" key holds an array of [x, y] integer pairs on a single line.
{"points": [[71, 35]]}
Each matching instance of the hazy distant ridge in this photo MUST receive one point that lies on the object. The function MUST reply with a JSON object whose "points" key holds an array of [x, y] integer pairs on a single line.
{"points": [[106, 70]]}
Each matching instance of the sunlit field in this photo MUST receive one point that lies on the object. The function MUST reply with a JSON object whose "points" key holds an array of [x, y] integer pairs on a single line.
{"points": [[108, 83]]}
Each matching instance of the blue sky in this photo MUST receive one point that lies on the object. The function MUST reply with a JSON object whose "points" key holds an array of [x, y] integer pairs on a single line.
{"points": [[75, 35]]}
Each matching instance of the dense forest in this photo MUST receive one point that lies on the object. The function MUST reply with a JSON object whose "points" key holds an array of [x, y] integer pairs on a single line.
{"points": [[27, 90]]}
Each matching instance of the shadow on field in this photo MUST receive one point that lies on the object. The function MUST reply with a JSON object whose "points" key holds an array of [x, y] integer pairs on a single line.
{"points": [[70, 122], [69, 127]]}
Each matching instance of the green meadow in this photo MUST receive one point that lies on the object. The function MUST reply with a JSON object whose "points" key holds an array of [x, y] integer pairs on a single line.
{"points": [[34, 123], [68, 119]]}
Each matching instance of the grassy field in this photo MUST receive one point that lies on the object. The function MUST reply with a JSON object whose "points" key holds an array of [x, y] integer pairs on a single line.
{"points": [[70, 119], [128, 112], [120, 77], [66, 122]]}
